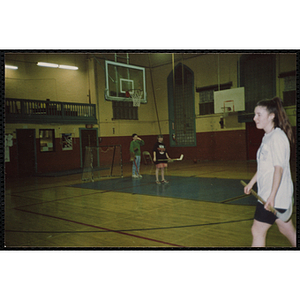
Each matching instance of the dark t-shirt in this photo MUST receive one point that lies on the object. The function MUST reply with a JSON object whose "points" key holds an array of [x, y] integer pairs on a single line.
{"points": [[160, 150]]}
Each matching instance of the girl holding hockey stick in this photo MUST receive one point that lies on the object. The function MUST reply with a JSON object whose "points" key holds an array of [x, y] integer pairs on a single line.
{"points": [[160, 158], [273, 174]]}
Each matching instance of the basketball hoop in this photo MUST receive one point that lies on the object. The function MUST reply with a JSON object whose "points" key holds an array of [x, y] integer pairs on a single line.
{"points": [[226, 111], [136, 96], [228, 107]]}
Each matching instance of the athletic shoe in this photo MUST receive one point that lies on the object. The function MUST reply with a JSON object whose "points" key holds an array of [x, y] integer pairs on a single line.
{"points": [[158, 182], [165, 181], [134, 176], [139, 176]]}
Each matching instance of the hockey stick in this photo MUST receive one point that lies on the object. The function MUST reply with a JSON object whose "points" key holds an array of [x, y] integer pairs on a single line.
{"points": [[171, 160], [282, 216]]}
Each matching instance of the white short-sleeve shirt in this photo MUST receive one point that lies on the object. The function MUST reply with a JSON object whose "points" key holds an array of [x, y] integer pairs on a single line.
{"points": [[275, 151]]}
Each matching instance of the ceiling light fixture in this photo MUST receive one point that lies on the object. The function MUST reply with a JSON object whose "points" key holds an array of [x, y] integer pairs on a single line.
{"points": [[51, 65], [11, 67], [48, 65], [68, 67]]}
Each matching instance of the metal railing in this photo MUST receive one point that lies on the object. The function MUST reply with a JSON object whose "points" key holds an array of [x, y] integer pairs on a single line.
{"points": [[36, 111]]}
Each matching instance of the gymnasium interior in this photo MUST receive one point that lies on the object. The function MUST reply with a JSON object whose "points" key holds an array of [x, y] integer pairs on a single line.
{"points": [[69, 120]]}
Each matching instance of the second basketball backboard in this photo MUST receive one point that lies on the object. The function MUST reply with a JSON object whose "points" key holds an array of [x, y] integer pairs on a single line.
{"points": [[121, 78], [230, 100]]}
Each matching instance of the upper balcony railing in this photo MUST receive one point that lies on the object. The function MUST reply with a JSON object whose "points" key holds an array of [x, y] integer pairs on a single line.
{"points": [[36, 111]]}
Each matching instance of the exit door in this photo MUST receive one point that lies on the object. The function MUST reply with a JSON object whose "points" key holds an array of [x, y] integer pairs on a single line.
{"points": [[26, 152], [88, 138]]}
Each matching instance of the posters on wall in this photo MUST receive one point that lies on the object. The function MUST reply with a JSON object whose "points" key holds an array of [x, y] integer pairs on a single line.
{"points": [[67, 141], [8, 144]]}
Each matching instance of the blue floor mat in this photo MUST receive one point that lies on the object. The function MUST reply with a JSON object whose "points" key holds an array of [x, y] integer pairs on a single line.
{"points": [[192, 188]]}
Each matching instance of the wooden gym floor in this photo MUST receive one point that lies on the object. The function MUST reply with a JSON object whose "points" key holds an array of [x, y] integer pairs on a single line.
{"points": [[136, 213]]}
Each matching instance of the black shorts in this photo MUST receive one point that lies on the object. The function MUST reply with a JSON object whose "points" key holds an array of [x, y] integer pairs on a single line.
{"points": [[265, 216]]}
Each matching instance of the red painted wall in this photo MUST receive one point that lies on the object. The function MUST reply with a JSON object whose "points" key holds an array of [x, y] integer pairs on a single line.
{"points": [[47, 161], [223, 145], [218, 146], [150, 140], [58, 160]]}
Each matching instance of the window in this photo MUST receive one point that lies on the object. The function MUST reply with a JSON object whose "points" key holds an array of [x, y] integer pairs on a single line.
{"points": [[47, 139], [206, 97], [206, 102], [124, 111]]}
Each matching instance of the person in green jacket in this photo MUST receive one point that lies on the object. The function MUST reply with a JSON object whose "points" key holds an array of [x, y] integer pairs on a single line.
{"points": [[135, 155]]}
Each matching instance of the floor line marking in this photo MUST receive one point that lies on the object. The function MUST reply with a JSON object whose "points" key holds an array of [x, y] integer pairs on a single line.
{"points": [[136, 229], [62, 199], [234, 198], [103, 228]]}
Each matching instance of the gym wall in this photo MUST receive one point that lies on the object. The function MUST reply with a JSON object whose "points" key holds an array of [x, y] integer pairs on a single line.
{"points": [[87, 85]]}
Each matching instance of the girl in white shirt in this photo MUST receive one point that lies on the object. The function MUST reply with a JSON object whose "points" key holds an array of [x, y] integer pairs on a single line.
{"points": [[273, 176]]}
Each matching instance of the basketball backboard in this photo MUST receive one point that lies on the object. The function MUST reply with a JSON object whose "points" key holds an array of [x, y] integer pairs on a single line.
{"points": [[121, 78], [230, 100]]}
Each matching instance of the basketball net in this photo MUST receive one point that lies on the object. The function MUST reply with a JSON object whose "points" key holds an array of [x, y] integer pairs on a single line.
{"points": [[136, 96], [226, 111]]}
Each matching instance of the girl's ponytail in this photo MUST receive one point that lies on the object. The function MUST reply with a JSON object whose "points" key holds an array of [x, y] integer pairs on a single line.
{"points": [[281, 119]]}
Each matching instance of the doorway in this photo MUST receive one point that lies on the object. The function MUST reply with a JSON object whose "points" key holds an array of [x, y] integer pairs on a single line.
{"points": [[26, 152], [88, 138]]}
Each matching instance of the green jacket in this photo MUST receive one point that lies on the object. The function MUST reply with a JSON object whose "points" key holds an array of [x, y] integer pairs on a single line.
{"points": [[135, 146]]}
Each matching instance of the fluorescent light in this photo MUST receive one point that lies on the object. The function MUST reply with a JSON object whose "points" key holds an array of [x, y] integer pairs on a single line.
{"points": [[45, 64], [51, 65], [68, 67], [11, 67]]}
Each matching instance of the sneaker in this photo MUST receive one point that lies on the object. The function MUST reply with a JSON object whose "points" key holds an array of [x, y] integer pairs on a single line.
{"points": [[164, 181], [158, 182], [139, 176], [134, 176]]}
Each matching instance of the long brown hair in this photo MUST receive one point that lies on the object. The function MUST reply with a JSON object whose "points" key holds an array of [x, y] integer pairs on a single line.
{"points": [[281, 119]]}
